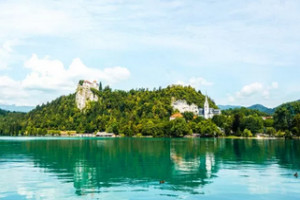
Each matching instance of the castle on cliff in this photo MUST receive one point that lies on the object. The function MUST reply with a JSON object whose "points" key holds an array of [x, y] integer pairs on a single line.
{"points": [[84, 93]]}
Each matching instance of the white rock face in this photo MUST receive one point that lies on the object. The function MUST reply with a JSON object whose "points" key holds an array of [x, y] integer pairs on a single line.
{"points": [[183, 106], [84, 94]]}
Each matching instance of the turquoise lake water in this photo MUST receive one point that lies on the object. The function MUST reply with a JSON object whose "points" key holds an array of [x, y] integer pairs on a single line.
{"points": [[132, 168]]}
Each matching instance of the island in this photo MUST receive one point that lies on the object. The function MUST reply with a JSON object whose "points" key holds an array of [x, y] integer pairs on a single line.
{"points": [[174, 111]]}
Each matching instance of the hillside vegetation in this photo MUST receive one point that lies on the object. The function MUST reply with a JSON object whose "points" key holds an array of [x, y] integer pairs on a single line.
{"points": [[11, 123], [147, 112], [287, 117], [284, 123], [140, 111], [258, 107]]}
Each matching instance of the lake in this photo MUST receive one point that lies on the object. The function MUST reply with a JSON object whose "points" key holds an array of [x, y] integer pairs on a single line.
{"points": [[132, 168]]}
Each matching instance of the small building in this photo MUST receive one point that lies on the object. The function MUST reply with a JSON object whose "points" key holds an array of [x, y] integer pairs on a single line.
{"points": [[176, 115], [266, 117], [104, 134]]}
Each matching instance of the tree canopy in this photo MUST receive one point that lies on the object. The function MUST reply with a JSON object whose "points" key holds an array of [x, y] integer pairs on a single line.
{"points": [[147, 112]]}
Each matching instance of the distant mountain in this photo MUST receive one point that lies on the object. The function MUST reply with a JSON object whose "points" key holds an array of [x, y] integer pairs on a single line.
{"points": [[262, 108], [3, 112], [226, 107], [258, 107], [15, 108]]}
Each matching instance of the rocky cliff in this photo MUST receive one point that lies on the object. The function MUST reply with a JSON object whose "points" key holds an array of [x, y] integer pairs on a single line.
{"points": [[84, 93]]}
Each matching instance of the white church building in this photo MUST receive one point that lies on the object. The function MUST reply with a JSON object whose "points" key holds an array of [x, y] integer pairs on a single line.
{"points": [[208, 112]]}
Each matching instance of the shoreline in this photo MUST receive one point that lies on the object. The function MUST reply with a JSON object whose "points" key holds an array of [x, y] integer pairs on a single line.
{"points": [[121, 136]]}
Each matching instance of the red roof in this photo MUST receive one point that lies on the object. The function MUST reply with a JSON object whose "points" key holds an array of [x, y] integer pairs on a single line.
{"points": [[177, 115]]}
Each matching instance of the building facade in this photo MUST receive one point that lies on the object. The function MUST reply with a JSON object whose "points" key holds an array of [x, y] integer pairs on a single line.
{"points": [[208, 112], [182, 106]]}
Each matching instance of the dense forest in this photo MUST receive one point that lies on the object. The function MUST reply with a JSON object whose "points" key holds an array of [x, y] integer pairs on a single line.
{"points": [[11, 123], [143, 112]]}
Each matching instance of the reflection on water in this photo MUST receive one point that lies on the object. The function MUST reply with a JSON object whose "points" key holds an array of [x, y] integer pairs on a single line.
{"points": [[124, 168]]}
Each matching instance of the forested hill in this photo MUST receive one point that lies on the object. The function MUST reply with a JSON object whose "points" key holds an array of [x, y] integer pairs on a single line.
{"points": [[3, 112], [15, 108], [262, 108], [11, 122], [116, 111], [146, 112], [287, 116], [258, 107]]}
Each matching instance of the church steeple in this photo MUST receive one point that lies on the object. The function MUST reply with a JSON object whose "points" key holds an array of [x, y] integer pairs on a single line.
{"points": [[207, 112], [206, 108], [206, 104]]}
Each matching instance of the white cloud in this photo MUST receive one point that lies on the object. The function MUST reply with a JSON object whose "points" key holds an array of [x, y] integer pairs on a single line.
{"points": [[47, 74], [48, 78], [274, 85], [230, 98], [244, 33], [249, 90], [5, 53], [224, 33], [29, 18], [196, 82], [199, 81], [11, 91], [253, 91]]}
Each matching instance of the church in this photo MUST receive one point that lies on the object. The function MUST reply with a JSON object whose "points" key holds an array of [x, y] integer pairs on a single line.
{"points": [[208, 112], [182, 106]]}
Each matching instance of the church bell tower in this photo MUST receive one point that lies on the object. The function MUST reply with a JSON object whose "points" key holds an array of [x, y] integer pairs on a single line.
{"points": [[206, 108]]}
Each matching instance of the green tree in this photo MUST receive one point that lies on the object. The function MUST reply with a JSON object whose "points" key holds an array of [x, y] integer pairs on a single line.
{"points": [[113, 128], [220, 120], [252, 123], [192, 125], [188, 116], [270, 131], [284, 115], [281, 117], [247, 133], [81, 82], [127, 130], [148, 128], [179, 128], [208, 128], [296, 125], [280, 133], [236, 124], [100, 86], [269, 122]]}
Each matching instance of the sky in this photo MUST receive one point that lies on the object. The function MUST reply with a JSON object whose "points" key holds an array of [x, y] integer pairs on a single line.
{"points": [[238, 52]]}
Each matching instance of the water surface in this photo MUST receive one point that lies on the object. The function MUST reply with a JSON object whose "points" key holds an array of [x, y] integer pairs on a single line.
{"points": [[131, 168]]}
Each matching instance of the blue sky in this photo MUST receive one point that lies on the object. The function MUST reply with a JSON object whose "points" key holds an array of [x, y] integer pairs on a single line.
{"points": [[239, 52]]}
